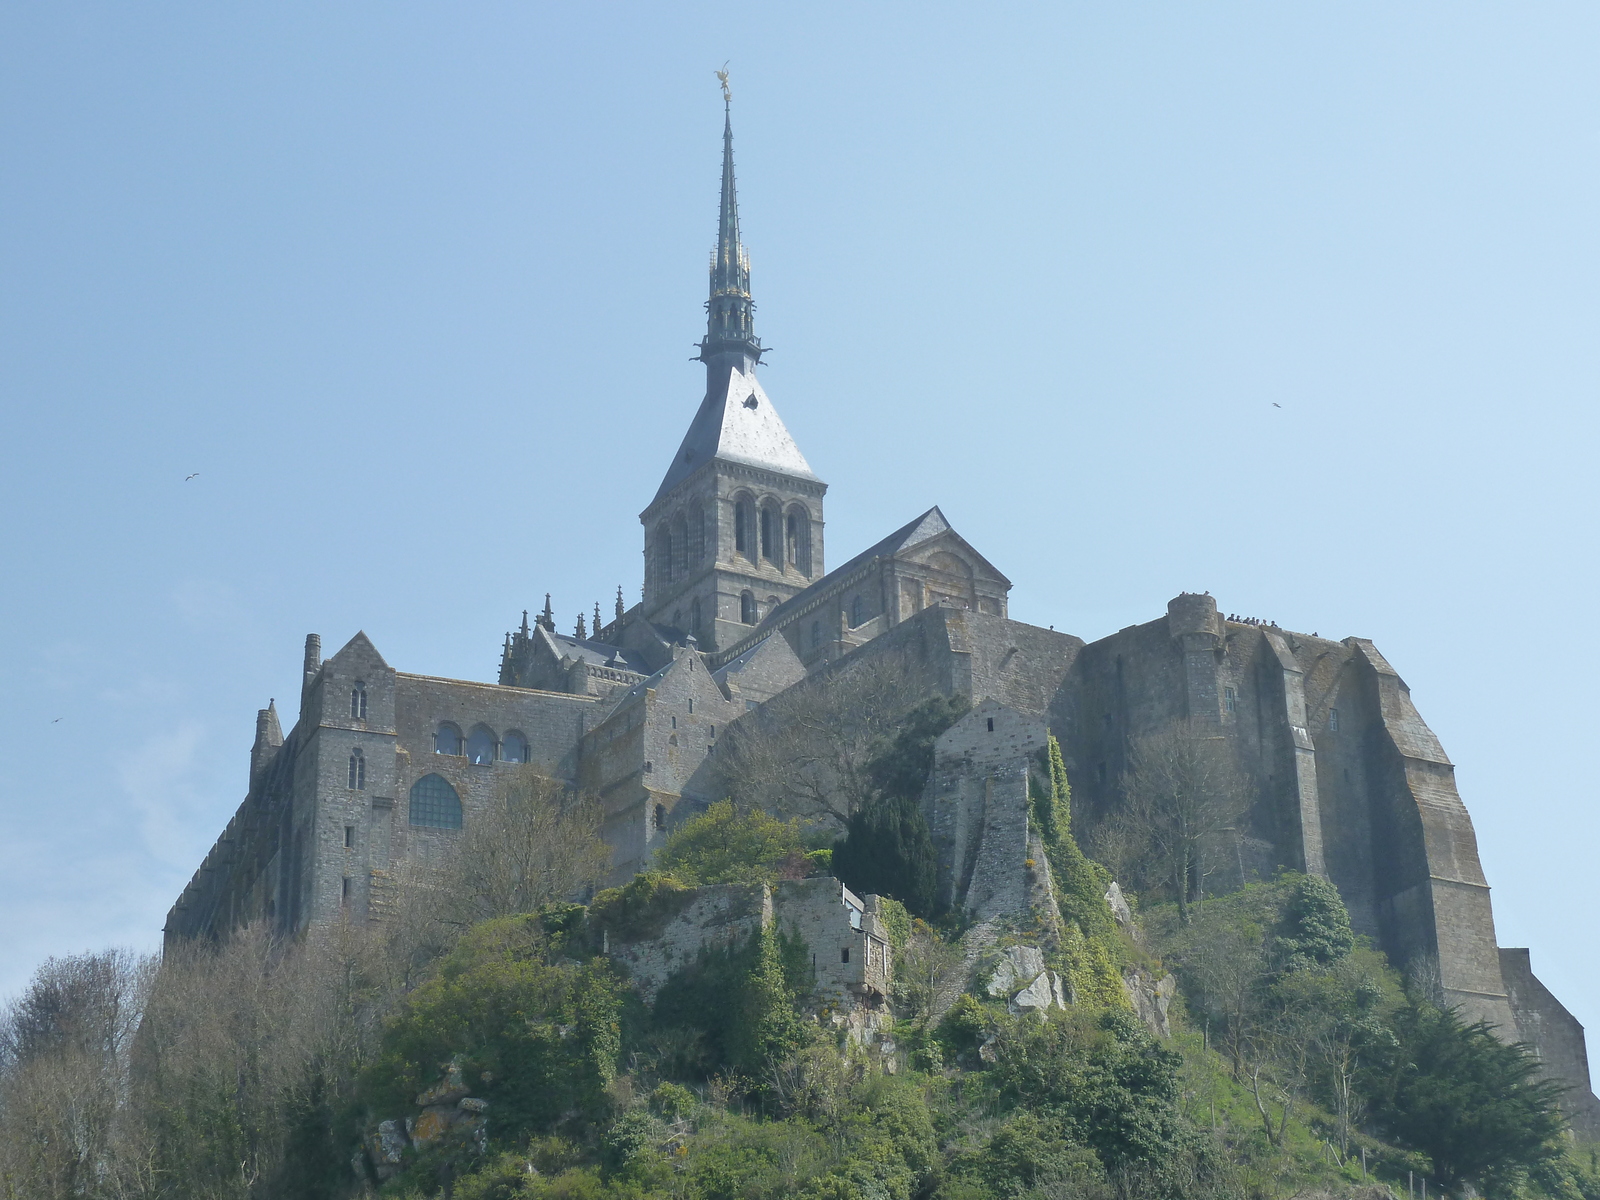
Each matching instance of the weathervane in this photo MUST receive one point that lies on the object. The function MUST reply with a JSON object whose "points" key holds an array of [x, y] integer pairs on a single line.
{"points": [[722, 77]]}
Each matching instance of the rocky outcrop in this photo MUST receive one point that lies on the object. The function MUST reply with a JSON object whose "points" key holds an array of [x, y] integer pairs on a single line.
{"points": [[1150, 998]]}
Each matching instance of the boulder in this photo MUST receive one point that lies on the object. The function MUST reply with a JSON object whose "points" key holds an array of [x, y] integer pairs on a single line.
{"points": [[1150, 998], [448, 1090], [1120, 912], [1047, 991], [1017, 966]]}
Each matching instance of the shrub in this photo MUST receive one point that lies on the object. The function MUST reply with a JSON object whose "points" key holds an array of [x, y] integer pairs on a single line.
{"points": [[723, 845]]}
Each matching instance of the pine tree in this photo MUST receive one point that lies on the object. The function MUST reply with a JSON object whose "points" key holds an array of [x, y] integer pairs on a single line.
{"points": [[766, 1029], [888, 850]]}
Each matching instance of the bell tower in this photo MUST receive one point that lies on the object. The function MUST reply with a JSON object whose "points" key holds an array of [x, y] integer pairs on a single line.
{"points": [[736, 526]]}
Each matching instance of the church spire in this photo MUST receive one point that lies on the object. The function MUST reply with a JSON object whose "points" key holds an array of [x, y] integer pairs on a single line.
{"points": [[730, 328]]}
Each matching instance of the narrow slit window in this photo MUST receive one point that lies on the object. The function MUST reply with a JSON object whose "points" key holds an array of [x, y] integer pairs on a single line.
{"points": [[844, 954], [344, 891], [991, 724], [661, 817], [1333, 720], [358, 701], [349, 836], [1229, 701]]}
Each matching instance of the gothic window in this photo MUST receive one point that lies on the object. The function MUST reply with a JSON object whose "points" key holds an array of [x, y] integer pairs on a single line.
{"points": [[358, 770], [447, 740], [768, 550], [747, 608], [694, 616], [791, 540], [1229, 700], [798, 529], [358, 701], [1333, 720], [434, 804], [858, 612], [514, 748], [663, 556], [480, 746]]}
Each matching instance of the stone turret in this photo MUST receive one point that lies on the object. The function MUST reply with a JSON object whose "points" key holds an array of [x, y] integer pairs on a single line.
{"points": [[269, 738]]}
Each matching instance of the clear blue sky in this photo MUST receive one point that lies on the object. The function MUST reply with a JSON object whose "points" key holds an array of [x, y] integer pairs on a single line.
{"points": [[413, 287]]}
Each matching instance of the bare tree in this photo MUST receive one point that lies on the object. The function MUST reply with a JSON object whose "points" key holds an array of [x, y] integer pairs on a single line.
{"points": [[1184, 793], [539, 842], [804, 752], [65, 1046], [926, 967]]}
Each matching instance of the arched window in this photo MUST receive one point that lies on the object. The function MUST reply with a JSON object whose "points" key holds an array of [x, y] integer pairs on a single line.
{"points": [[768, 549], [680, 547], [858, 611], [358, 769], [661, 817], [663, 556], [447, 740], [743, 532], [480, 746], [791, 540], [694, 617], [514, 748], [697, 534], [358, 701], [747, 608], [434, 804], [797, 528]]}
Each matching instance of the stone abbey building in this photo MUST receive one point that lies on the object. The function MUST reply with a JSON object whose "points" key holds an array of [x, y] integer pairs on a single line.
{"points": [[384, 767]]}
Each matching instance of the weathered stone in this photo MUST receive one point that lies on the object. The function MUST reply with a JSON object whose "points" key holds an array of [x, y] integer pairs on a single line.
{"points": [[1150, 998], [473, 1105], [433, 1123], [389, 1142], [1016, 965], [1043, 994], [447, 1091], [1120, 910]]}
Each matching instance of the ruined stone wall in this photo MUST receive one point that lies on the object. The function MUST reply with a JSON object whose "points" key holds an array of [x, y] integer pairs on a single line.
{"points": [[850, 955], [717, 917]]}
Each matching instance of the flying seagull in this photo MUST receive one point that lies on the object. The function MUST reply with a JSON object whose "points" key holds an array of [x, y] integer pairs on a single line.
{"points": [[1275, 404], [57, 721], [196, 475]]}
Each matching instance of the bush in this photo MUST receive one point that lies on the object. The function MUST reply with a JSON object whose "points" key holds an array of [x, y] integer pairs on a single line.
{"points": [[887, 850], [725, 846]]}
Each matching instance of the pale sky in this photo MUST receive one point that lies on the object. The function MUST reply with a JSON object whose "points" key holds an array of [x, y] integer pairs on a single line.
{"points": [[414, 287]]}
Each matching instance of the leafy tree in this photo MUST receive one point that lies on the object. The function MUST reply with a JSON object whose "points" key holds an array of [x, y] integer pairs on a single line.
{"points": [[888, 850], [723, 845], [1315, 927], [766, 1028], [1472, 1103]]}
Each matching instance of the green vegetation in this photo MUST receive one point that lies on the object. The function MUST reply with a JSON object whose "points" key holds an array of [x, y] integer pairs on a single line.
{"points": [[726, 846], [527, 1068], [886, 849]]}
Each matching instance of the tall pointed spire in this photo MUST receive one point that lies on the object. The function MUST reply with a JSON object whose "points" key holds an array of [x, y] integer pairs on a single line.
{"points": [[730, 325]]}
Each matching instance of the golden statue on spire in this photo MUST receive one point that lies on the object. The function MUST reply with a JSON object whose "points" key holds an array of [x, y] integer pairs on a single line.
{"points": [[722, 78]]}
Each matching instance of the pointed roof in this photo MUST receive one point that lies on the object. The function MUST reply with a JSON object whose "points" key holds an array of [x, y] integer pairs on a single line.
{"points": [[360, 644], [737, 423]]}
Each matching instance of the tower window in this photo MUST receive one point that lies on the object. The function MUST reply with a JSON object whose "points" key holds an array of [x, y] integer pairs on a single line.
{"points": [[344, 890], [742, 532], [747, 608], [1333, 720], [844, 954], [435, 804], [991, 724], [358, 771], [858, 612], [358, 701], [661, 817], [663, 556], [766, 536], [349, 836], [1229, 701]]}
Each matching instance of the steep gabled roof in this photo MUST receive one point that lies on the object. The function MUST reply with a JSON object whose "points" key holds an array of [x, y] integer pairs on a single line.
{"points": [[736, 423]]}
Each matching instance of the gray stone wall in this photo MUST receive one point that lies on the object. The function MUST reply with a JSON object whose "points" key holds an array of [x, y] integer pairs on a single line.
{"points": [[976, 805], [1555, 1035]]}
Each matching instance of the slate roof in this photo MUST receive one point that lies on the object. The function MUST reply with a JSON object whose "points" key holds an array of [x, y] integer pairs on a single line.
{"points": [[598, 654], [729, 427]]}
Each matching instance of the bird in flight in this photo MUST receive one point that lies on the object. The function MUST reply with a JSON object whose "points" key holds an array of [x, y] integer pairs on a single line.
{"points": [[196, 475], [57, 721], [1275, 404]]}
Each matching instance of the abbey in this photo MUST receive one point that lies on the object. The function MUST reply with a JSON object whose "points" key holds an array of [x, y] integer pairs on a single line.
{"points": [[384, 768]]}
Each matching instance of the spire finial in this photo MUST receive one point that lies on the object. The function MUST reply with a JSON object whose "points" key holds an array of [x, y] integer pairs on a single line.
{"points": [[730, 327], [622, 610], [597, 618]]}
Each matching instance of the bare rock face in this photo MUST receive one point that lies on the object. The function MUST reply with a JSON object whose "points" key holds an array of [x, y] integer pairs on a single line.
{"points": [[1018, 966], [1120, 910], [447, 1091], [1150, 998], [1040, 996], [385, 1145]]}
